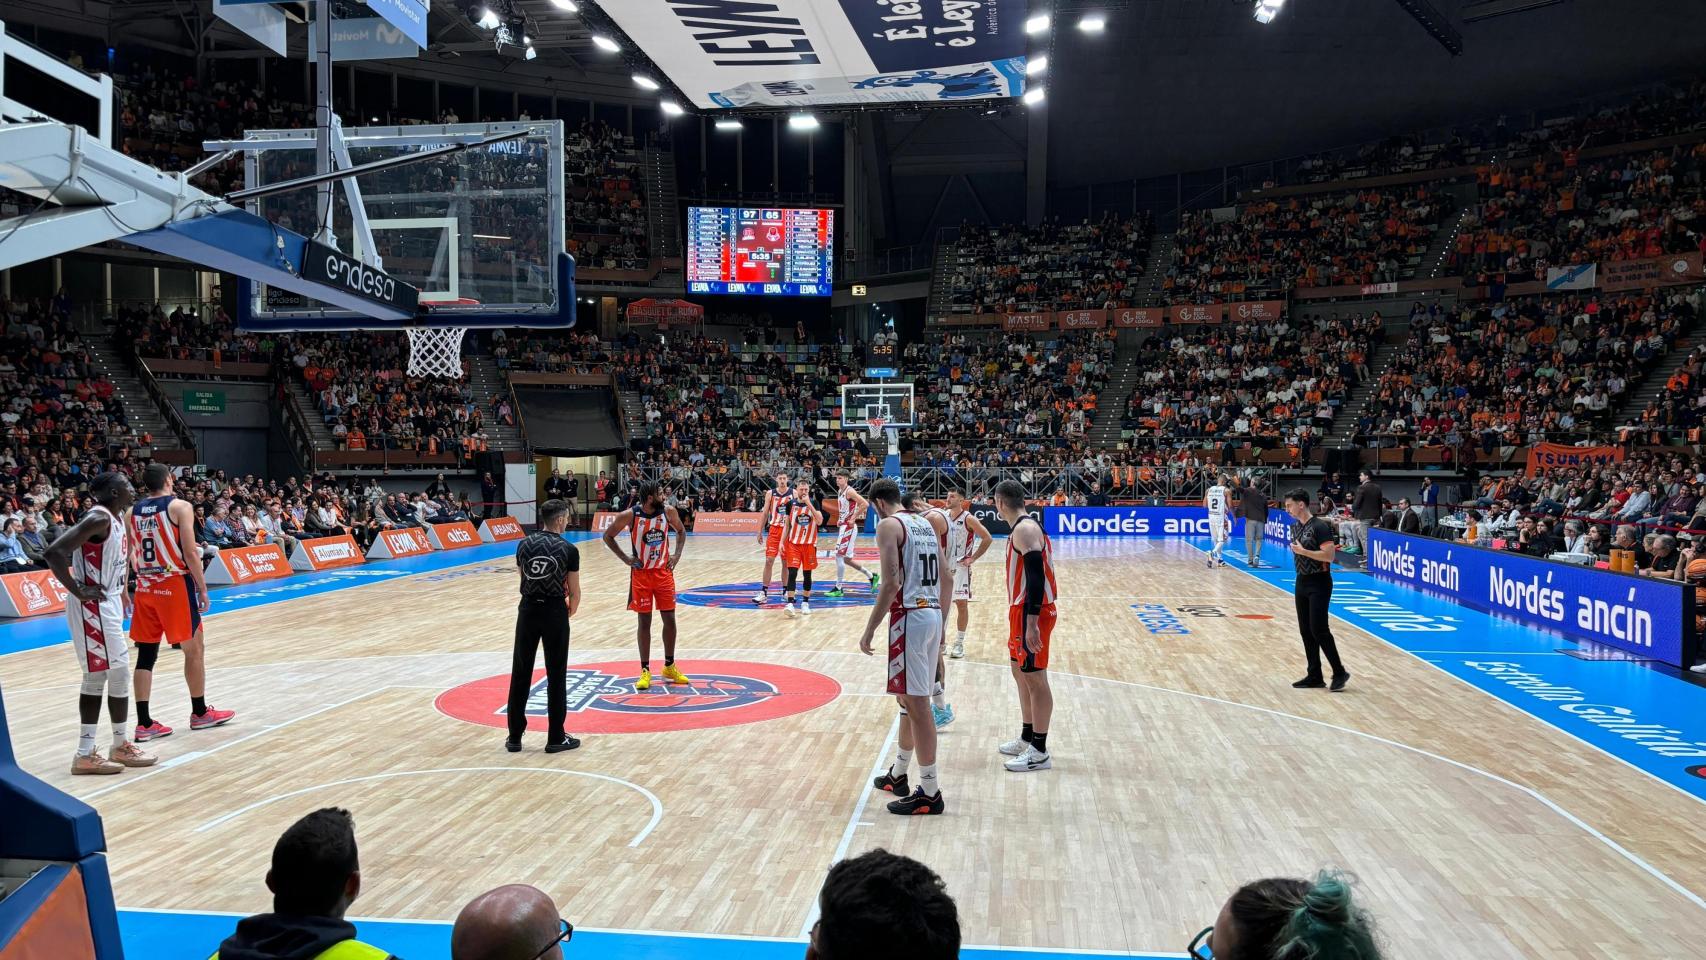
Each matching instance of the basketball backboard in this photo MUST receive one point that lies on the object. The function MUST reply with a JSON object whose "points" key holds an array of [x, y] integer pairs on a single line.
{"points": [[892, 402], [480, 232]]}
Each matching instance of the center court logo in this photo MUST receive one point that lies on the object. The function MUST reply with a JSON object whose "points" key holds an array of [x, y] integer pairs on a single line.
{"points": [[738, 596], [602, 698]]}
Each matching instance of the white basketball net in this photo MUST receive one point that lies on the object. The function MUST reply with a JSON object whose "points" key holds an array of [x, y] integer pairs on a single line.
{"points": [[875, 425], [435, 351]]}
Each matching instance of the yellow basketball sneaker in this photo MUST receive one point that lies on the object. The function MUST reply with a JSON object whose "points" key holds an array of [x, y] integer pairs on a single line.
{"points": [[673, 675], [645, 681]]}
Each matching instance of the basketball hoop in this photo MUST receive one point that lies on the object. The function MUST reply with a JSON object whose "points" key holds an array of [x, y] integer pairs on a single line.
{"points": [[435, 351], [875, 425]]}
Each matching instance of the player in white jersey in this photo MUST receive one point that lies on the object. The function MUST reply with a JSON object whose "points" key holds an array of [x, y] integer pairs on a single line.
{"points": [[937, 517], [968, 539], [911, 597], [1218, 500], [91, 560], [849, 513]]}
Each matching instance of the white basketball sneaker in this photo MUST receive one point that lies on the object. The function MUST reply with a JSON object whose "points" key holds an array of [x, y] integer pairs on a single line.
{"points": [[805, 609], [793, 611], [1015, 747], [957, 651], [1029, 762]]}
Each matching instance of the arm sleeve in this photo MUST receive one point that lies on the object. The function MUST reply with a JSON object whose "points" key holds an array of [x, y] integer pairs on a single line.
{"points": [[1033, 582]]}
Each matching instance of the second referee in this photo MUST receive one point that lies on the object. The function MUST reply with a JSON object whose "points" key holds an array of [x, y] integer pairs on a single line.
{"points": [[550, 593]]}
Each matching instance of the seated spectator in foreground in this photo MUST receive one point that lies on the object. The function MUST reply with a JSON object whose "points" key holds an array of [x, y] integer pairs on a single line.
{"points": [[315, 875], [1667, 562], [873, 904], [1282, 918], [513, 922]]}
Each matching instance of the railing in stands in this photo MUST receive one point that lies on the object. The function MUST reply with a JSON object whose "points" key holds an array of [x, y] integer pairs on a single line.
{"points": [[180, 427]]}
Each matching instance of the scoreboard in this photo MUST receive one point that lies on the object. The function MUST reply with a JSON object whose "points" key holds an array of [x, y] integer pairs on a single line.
{"points": [[759, 251]]}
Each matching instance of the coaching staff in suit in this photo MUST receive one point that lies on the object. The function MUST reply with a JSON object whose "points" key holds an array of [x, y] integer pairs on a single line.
{"points": [[550, 594]]}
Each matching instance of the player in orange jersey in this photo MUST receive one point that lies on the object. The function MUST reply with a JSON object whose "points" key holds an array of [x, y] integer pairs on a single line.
{"points": [[171, 596], [799, 546], [651, 581], [1030, 620], [770, 533]]}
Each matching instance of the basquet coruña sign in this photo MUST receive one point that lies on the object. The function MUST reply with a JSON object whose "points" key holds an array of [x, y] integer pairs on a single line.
{"points": [[602, 698]]}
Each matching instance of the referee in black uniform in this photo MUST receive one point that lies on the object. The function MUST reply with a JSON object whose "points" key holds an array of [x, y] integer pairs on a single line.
{"points": [[550, 592], [1313, 543]]}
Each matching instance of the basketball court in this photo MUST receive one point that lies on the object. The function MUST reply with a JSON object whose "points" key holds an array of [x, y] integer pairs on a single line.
{"points": [[1185, 764]]}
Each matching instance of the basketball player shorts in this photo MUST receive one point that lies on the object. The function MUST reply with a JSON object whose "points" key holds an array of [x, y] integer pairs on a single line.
{"points": [[844, 541], [800, 556], [962, 581], [915, 651], [97, 633], [1029, 662], [1219, 527], [773, 545], [165, 609], [651, 589]]}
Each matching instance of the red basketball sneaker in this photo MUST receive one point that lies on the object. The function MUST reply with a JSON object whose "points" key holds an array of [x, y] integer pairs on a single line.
{"points": [[153, 731], [212, 718]]}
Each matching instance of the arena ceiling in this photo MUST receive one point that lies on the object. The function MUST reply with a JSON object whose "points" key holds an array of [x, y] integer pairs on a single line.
{"points": [[1185, 85]]}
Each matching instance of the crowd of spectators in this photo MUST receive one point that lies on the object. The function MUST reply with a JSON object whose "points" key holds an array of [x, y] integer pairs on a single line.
{"points": [[1269, 247], [369, 403], [1051, 266], [1278, 384], [56, 410], [1673, 108], [1505, 374], [1558, 210], [606, 208], [1014, 390], [202, 332]]}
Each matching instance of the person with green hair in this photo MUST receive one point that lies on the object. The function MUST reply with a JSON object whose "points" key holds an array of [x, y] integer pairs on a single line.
{"points": [[1282, 918]]}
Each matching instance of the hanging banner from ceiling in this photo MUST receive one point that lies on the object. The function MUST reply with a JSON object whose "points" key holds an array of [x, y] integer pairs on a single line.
{"points": [[785, 53]]}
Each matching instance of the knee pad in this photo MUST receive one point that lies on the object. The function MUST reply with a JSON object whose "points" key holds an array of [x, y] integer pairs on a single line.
{"points": [[95, 682], [118, 681], [146, 655]]}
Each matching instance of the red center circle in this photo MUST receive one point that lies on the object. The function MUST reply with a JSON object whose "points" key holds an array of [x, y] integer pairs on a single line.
{"points": [[601, 697]]}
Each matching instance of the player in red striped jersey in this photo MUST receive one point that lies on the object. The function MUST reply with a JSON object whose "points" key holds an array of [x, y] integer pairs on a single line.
{"points": [[799, 546], [651, 579], [1031, 594]]}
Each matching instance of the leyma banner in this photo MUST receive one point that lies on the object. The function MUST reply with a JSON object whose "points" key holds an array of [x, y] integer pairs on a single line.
{"points": [[738, 53]]}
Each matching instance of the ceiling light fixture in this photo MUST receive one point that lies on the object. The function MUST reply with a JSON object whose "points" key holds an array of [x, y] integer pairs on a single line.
{"points": [[802, 121], [671, 108], [1267, 10], [729, 123], [1093, 22], [488, 19], [1035, 65], [567, 6], [1033, 96], [605, 43], [644, 82], [1037, 24]]}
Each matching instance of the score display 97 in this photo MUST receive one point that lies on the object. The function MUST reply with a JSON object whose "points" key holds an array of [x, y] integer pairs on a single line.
{"points": [[762, 251]]}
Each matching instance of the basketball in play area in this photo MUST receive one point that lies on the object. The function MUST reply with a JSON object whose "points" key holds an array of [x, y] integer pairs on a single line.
{"points": [[1000, 479]]}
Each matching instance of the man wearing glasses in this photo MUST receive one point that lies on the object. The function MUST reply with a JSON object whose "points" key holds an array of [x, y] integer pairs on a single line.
{"points": [[513, 922]]}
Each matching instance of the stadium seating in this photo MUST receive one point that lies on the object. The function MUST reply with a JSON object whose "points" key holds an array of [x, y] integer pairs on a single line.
{"points": [[1013, 391], [1557, 210], [1048, 267], [1271, 247], [368, 402]]}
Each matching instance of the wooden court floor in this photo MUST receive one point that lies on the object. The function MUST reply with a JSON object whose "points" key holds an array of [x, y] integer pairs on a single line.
{"points": [[1184, 765]]}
